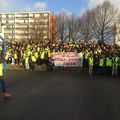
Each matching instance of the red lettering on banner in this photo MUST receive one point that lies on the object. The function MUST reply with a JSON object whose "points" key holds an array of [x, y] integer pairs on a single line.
{"points": [[67, 58]]}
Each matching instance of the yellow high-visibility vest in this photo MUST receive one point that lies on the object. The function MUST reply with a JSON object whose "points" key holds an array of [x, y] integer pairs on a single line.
{"points": [[29, 52], [90, 61], [49, 53], [81, 54], [36, 55], [26, 60], [1, 69], [86, 55], [15, 55], [108, 62], [42, 55], [28, 46], [101, 63], [33, 58]]}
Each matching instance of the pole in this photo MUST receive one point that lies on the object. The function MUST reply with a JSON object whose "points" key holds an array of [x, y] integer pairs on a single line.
{"points": [[4, 51]]}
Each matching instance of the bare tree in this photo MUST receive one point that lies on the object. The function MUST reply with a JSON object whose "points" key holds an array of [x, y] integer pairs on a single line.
{"points": [[86, 25], [61, 24], [117, 30], [53, 29], [73, 27], [104, 17], [118, 18]]}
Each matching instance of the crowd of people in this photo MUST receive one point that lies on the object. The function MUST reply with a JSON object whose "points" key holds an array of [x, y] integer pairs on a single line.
{"points": [[100, 58]]}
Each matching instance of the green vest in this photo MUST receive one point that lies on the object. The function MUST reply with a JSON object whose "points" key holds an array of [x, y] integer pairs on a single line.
{"points": [[108, 62], [42, 55], [101, 62], [90, 61]]}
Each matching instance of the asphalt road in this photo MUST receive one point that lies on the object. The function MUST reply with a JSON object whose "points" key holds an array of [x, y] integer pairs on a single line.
{"points": [[60, 96]]}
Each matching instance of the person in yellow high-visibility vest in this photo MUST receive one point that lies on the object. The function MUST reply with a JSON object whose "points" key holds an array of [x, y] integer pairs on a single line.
{"points": [[42, 56], [90, 61], [51, 65], [108, 64], [27, 62], [2, 81], [101, 64], [33, 62], [16, 57]]}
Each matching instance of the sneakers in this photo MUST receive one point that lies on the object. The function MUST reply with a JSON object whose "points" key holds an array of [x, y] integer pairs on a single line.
{"points": [[7, 94]]}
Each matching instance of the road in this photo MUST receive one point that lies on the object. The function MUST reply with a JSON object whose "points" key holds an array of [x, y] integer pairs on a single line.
{"points": [[60, 96]]}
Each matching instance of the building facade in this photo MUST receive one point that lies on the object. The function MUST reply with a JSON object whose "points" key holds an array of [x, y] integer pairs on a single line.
{"points": [[35, 26]]}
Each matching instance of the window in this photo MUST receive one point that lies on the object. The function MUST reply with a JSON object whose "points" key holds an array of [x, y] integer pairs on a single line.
{"points": [[45, 15], [26, 21]]}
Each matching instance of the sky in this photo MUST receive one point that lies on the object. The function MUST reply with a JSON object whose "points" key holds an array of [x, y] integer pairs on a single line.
{"points": [[56, 6]]}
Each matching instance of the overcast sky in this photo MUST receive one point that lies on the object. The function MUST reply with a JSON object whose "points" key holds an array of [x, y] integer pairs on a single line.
{"points": [[70, 6]]}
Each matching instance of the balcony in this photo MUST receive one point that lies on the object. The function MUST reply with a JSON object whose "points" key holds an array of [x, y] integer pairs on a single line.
{"points": [[21, 18], [8, 18], [8, 28], [21, 34], [21, 29], [9, 34], [8, 24], [21, 23]]}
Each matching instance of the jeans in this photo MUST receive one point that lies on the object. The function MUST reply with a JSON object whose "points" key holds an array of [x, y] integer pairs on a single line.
{"points": [[2, 82]]}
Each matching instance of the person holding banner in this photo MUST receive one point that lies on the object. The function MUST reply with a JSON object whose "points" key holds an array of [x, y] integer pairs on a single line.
{"points": [[51, 65]]}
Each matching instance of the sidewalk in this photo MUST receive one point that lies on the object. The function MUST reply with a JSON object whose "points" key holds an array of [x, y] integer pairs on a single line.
{"points": [[20, 67]]}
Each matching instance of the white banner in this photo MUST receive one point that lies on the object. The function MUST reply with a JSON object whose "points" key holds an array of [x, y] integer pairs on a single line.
{"points": [[67, 59]]}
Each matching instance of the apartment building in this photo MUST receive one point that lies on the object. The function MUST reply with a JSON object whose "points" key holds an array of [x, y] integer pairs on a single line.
{"points": [[35, 26]]}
